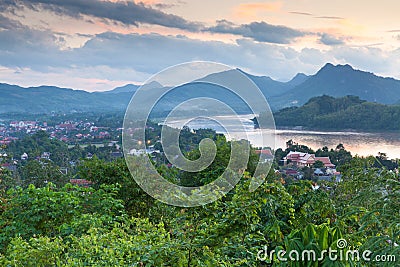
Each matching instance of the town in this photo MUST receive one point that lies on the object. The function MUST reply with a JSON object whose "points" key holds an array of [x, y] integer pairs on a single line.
{"points": [[78, 137]]}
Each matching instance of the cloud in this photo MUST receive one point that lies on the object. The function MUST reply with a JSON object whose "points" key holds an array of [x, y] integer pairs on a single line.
{"points": [[328, 17], [259, 31], [316, 17], [84, 35], [163, 6], [140, 53], [128, 13], [372, 59], [301, 13], [123, 58], [328, 39], [274, 6], [22, 46], [250, 10], [9, 24]]}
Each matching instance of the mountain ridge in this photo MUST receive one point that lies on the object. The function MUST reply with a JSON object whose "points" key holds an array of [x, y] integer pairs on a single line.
{"points": [[342, 80], [333, 80]]}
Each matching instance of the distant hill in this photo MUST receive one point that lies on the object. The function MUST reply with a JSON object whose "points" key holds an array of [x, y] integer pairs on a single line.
{"points": [[337, 81], [341, 80], [349, 112], [46, 99], [129, 88], [267, 85]]}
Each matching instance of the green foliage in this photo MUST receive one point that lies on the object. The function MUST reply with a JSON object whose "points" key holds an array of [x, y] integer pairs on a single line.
{"points": [[7, 181], [219, 164], [318, 164], [115, 223], [136, 201], [39, 173], [52, 212], [349, 112], [316, 238], [311, 206], [137, 242], [38, 143]]}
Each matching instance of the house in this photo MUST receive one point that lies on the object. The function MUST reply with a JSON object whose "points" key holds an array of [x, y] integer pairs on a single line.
{"points": [[114, 143], [265, 155], [30, 123], [117, 154], [14, 124], [64, 139], [301, 159], [138, 152], [22, 124], [24, 156], [326, 161], [94, 129], [81, 182], [318, 172], [291, 172], [11, 167], [45, 155], [66, 126]]}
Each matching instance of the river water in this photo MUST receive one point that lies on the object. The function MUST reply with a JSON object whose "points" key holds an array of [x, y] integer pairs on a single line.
{"points": [[241, 127]]}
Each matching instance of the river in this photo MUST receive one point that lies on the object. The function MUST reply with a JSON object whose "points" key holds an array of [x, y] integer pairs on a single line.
{"points": [[358, 143]]}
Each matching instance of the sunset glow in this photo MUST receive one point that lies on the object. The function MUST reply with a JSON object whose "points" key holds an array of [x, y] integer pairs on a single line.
{"points": [[281, 38]]}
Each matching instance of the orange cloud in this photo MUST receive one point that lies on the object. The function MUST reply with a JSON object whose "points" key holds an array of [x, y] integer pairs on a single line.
{"points": [[351, 26], [247, 10]]}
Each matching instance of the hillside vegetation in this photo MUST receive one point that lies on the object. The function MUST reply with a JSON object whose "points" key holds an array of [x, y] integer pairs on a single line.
{"points": [[349, 112]]}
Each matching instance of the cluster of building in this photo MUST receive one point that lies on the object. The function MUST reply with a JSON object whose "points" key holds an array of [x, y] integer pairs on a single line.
{"points": [[68, 131], [301, 159], [295, 161]]}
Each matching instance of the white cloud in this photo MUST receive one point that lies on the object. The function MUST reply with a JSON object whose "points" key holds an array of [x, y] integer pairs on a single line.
{"points": [[111, 59]]}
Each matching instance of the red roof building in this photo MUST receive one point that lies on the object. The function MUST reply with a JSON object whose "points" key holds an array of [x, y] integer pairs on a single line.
{"points": [[81, 182], [302, 159], [326, 161]]}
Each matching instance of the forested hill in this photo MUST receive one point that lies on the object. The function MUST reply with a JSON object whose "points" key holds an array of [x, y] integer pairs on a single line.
{"points": [[337, 81], [349, 112]]}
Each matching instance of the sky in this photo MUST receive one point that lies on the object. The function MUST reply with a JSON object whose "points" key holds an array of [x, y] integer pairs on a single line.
{"points": [[96, 45]]}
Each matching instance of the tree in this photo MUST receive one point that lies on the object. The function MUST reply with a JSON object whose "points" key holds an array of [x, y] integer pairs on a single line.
{"points": [[340, 147], [53, 212], [318, 164], [367, 200], [136, 201], [308, 172], [314, 238], [382, 156], [7, 181], [40, 173], [136, 242]]}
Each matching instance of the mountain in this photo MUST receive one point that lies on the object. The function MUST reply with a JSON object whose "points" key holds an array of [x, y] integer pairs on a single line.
{"points": [[343, 113], [267, 85], [129, 88], [337, 81], [341, 80], [298, 79], [46, 99]]}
